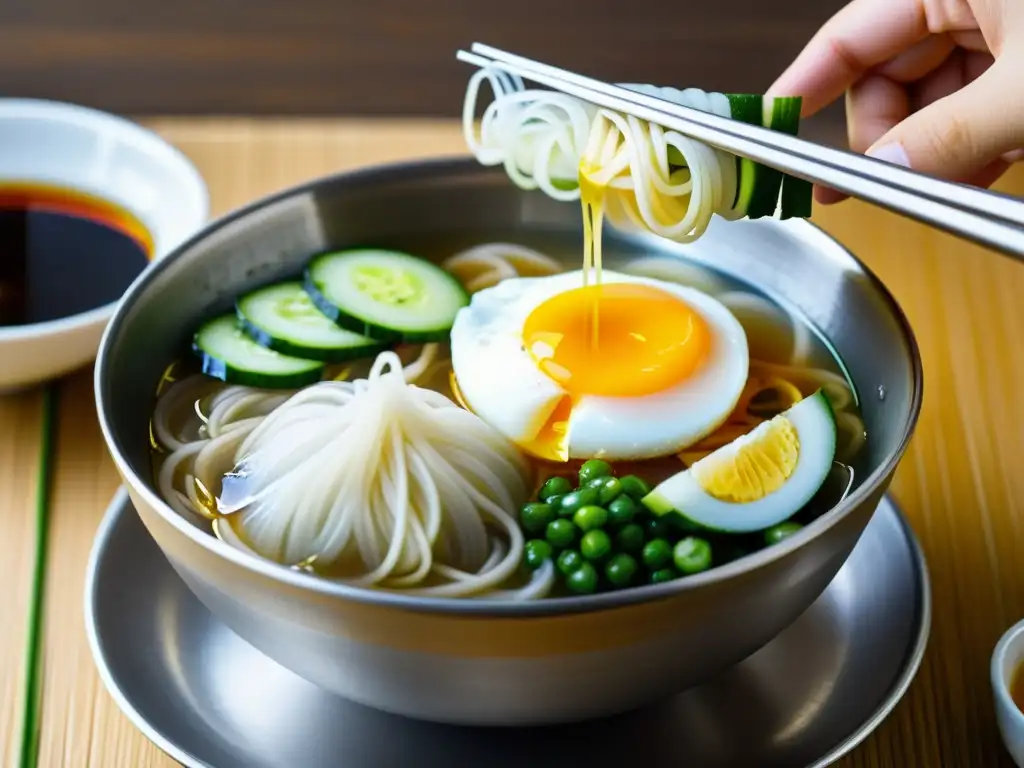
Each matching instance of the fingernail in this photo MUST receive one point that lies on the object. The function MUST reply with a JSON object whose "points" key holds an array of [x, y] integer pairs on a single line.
{"points": [[890, 153]]}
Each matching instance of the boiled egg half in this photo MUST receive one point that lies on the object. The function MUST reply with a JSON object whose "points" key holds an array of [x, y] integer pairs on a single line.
{"points": [[633, 368]]}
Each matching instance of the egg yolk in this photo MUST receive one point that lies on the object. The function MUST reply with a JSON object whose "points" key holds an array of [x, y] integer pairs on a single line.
{"points": [[617, 340]]}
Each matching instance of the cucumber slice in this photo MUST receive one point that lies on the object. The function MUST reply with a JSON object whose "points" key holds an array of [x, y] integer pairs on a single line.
{"points": [[683, 494], [386, 295], [283, 318], [228, 354]]}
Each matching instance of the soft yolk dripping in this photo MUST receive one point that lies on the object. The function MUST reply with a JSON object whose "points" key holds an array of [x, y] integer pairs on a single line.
{"points": [[592, 196], [650, 340]]}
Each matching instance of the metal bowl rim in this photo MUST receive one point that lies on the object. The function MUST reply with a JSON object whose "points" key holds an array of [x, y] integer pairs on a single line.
{"points": [[448, 168]]}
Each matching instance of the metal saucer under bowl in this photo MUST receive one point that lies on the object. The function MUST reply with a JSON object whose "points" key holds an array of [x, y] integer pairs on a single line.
{"points": [[209, 699]]}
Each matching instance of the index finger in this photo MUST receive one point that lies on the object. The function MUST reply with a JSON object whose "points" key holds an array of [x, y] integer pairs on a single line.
{"points": [[862, 35]]}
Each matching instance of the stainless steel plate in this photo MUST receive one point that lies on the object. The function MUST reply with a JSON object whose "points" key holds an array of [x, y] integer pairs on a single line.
{"points": [[208, 699]]}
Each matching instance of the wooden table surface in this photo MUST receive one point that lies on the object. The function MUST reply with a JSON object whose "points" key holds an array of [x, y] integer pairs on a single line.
{"points": [[959, 485]]}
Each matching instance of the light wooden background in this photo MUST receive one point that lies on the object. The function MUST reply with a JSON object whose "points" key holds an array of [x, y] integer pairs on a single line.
{"points": [[960, 484]]}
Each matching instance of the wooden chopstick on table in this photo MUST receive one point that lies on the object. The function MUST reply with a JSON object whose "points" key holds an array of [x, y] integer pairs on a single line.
{"points": [[988, 218]]}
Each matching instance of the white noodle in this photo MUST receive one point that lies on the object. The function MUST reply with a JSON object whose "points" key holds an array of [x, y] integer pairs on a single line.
{"points": [[388, 484], [773, 333], [543, 137], [488, 264]]}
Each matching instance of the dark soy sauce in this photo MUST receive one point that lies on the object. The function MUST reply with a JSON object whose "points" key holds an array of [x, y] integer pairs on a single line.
{"points": [[63, 252]]}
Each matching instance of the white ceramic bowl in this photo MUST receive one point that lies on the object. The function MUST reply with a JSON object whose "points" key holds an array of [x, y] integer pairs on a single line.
{"points": [[1007, 657], [106, 157]]}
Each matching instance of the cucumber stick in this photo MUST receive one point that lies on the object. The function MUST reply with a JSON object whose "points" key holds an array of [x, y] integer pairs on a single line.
{"points": [[760, 187], [797, 198], [385, 295], [797, 193], [751, 186]]}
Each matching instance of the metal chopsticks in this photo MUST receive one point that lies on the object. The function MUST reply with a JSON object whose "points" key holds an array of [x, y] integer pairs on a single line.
{"points": [[988, 218]]}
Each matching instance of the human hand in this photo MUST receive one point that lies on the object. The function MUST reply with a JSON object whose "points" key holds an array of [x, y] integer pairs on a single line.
{"points": [[936, 85]]}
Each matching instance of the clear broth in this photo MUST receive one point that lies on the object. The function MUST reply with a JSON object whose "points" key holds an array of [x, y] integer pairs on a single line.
{"points": [[440, 247]]}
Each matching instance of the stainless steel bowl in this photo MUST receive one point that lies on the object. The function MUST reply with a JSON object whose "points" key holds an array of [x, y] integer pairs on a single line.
{"points": [[488, 662]]}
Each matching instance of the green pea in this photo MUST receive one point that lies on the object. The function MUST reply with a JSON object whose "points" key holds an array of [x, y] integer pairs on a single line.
{"points": [[569, 561], [609, 489], [630, 538], [594, 468], [535, 517], [634, 486], [692, 555], [777, 533], [573, 501], [622, 510], [536, 552], [620, 570], [560, 533], [583, 580], [664, 574], [554, 486], [657, 554], [595, 544], [590, 517], [656, 528]]}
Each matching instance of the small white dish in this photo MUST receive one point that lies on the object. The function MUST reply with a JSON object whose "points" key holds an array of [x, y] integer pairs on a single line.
{"points": [[1006, 659], [108, 157]]}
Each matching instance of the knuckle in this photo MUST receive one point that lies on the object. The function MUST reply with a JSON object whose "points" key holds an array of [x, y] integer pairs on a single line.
{"points": [[839, 50], [948, 15]]}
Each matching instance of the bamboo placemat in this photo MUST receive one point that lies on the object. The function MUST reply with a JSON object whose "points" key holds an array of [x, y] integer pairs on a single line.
{"points": [[959, 484]]}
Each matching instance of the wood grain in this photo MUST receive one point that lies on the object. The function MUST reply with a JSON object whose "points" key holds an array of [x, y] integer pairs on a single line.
{"points": [[959, 484], [386, 57]]}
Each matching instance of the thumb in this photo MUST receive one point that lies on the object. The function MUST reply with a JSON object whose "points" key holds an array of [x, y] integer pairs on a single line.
{"points": [[961, 136]]}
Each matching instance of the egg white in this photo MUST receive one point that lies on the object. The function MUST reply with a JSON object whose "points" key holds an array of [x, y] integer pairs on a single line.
{"points": [[503, 385]]}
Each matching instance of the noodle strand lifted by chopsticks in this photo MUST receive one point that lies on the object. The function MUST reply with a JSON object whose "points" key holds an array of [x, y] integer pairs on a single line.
{"points": [[656, 180]]}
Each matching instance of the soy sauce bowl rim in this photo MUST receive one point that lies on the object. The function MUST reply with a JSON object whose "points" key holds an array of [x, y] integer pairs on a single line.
{"points": [[1011, 637], [448, 167], [107, 124]]}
